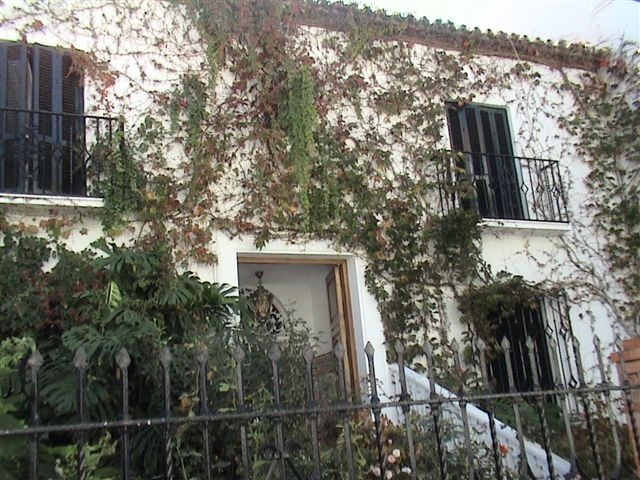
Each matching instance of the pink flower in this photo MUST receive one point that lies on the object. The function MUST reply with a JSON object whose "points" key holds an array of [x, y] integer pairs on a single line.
{"points": [[391, 459], [375, 471]]}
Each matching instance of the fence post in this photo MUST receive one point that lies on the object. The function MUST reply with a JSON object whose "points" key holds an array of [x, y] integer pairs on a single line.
{"points": [[405, 398], [309, 355], [202, 357], [559, 383], [165, 361], [238, 358], [339, 353], [593, 438], [488, 406], [455, 347], [123, 360], [523, 466], [435, 404], [604, 378], [80, 362], [34, 363], [540, 404], [375, 406]]}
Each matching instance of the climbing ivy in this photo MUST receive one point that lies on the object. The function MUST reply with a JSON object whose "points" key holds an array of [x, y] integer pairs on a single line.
{"points": [[298, 117], [606, 123], [279, 131], [502, 296], [120, 183]]}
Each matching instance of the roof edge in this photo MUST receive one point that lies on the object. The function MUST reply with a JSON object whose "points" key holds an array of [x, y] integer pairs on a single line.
{"points": [[438, 34]]}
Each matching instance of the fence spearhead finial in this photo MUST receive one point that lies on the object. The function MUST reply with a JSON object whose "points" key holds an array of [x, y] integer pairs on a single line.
{"points": [[505, 344], [529, 343], [123, 360], [482, 346], [202, 354], [80, 359], [274, 352], [428, 348], [165, 357], [399, 346], [369, 350], [35, 360], [308, 353], [238, 354]]}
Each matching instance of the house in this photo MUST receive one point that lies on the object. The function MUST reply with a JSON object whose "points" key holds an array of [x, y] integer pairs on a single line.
{"points": [[382, 177]]}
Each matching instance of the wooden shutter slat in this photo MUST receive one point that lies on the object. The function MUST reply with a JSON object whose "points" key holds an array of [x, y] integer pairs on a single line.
{"points": [[13, 94], [455, 129]]}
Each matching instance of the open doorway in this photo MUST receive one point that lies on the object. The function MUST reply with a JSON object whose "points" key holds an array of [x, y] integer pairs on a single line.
{"points": [[315, 290]]}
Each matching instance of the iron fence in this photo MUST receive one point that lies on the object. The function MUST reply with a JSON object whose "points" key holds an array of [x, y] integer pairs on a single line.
{"points": [[503, 187], [47, 153], [465, 432]]}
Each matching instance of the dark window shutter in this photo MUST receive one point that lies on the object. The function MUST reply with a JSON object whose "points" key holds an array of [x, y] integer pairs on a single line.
{"points": [[73, 172], [455, 129], [58, 91], [46, 99], [503, 134], [473, 132], [483, 132], [41, 82], [13, 95], [43, 91], [487, 133]]}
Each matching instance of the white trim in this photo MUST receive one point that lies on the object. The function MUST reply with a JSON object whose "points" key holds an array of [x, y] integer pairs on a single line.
{"points": [[525, 225], [50, 201]]}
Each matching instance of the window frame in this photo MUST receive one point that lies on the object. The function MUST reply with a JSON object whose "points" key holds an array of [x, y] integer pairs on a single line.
{"points": [[480, 163], [43, 98]]}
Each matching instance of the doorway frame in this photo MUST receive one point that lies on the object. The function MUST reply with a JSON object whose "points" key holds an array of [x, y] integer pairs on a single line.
{"points": [[351, 359]]}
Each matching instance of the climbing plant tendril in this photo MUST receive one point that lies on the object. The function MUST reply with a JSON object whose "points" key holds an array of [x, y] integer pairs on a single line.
{"points": [[284, 130]]}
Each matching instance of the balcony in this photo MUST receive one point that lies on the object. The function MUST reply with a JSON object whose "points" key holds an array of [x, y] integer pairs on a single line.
{"points": [[44, 153], [503, 187]]}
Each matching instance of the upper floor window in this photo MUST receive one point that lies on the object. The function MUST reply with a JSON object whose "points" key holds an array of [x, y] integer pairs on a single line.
{"points": [[504, 186], [48, 145], [41, 102]]}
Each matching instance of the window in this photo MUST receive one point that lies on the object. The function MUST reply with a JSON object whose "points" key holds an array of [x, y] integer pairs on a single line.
{"points": [[41, 129], [483, 135], [526, 321]]}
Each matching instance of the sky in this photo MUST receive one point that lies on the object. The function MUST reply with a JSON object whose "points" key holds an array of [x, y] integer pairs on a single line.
{"points": [[599, 22]]}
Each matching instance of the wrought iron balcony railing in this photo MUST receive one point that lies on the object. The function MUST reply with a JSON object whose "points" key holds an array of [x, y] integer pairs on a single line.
{"points": [[46, 153], [503, 187]]}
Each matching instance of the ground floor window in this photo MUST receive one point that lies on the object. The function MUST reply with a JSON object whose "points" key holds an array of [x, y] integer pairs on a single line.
{"points": [[527, 321]]}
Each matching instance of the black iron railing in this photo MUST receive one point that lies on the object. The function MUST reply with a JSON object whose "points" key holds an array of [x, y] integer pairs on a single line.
{"points": [[504, 187], [46, 153], [437, 435]]}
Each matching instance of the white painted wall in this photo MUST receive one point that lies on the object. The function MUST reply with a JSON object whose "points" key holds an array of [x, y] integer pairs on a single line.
{"points": [[517, 247]]}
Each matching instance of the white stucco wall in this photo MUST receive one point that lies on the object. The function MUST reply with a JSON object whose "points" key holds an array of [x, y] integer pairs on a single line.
{"points": [[517, 247]]}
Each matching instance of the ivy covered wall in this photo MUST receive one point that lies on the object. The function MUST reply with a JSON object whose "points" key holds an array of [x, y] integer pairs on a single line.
{"points": [[301, 121]]}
